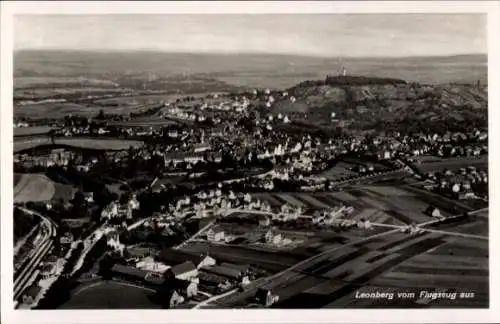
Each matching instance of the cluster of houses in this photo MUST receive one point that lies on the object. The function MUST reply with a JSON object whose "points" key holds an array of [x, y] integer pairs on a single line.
{"points": [[468, 183], [330, 217], [56, 157], [121, 211], [443, 145], [185, 274]]}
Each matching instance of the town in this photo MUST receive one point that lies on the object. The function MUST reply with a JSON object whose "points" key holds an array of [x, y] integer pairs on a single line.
{"points": [[136, 189]]}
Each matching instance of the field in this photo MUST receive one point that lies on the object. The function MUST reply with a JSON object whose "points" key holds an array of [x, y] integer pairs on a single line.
{"points": [[460, 265], [267, 260], [84, 143], [110, 295], [136, 100], [340, 170], [145, 122], [54, 110], [38, 187], [98, 143], [33, 82], [35, 130], [391, 263], [33, 187], [29, 143], [454, 164], [382, 204]]}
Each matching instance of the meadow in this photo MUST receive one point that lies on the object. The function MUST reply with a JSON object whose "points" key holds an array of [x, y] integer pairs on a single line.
{"points": [[98, 143]]}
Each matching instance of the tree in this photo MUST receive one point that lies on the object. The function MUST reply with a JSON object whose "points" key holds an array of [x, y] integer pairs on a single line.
{"points": [[100, 115]]}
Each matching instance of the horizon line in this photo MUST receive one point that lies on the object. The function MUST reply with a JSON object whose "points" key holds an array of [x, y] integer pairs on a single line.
{"points": [[319, 56]]}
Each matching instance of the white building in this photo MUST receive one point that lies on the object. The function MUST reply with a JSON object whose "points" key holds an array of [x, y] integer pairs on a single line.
{"points": [[215, 234]]}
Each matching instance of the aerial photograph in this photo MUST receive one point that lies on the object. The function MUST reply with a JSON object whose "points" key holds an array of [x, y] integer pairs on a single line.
{"points": [[250, 161]]}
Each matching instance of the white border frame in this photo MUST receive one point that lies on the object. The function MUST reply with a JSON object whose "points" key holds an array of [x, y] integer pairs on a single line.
{"points": [[9, 315]]}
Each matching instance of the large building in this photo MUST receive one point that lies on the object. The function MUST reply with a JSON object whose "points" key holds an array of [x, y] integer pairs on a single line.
{"points": [[173, 257]]}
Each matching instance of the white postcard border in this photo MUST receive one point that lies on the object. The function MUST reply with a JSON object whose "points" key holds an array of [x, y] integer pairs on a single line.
{"points": [[9, 315]]}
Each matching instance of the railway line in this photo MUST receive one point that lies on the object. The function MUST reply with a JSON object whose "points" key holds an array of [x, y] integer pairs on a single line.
{"points": [[22, 279]]}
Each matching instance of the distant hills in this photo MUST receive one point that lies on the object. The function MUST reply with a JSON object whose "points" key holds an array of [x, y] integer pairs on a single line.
{"points": [[253, 70]]}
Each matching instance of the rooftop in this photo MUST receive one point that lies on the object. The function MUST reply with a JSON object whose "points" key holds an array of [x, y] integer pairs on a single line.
{"points": [[127, 270], [173, 257], [183, 268]]}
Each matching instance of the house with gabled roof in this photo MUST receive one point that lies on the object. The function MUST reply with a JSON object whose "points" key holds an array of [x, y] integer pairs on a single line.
{"points": [[173, 257], [184, 271]]}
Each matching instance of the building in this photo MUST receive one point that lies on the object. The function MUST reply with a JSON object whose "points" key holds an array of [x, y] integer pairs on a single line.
{"points": [[433, 212], [215, 234], [189, 289], [48, 270], [265, 297], [67, 238], [150, 265], [272, 238], [230, 273], [213, 280], [201, 147], [175, 299], [243, 268], [264, 220], [128, 273], [140, 252], [173, 257], [154, 278], [31, 294], [184, 271]]}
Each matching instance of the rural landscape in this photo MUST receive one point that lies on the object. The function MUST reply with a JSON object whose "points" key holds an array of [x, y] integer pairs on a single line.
{"points": [[183, 179]]}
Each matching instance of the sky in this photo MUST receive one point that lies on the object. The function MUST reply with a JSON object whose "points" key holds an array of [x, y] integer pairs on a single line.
{"points": [[326, 35]]}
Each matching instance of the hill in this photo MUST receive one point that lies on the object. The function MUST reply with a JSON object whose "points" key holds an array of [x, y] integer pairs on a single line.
{"points": [[256, 70], [363, 102]]}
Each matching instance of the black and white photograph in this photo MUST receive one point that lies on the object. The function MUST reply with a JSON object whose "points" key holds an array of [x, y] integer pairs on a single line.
{"points": [[249, 161]]}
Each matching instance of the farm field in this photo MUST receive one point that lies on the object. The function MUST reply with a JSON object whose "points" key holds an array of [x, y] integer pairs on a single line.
{"points": [[78, 142], [454, 164], [398, 263], [21, 144], [33, 187], [267, 260], [381, 204], [21, 82], [428, 159], [35, 130], [130, 101], [38, 187], [145, 122], [394, 262], [306, 239], [340, 170], [459, 265], [142, 99], [110, 295], [54, 110], [98, 143]]}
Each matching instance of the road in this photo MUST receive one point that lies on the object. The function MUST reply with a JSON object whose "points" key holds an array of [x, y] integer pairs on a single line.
{"points": [[309, 217], [214, 298], [193, 237], [22, 279]]}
